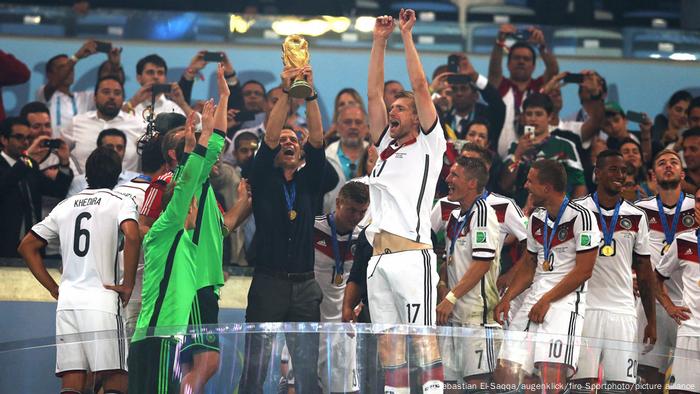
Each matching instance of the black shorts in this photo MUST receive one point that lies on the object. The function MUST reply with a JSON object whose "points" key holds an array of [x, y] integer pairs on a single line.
{"points": [[205, 311], [152, 366]]}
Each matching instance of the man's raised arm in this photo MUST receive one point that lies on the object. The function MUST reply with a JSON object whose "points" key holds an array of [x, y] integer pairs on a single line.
{"points": [[427, 115], [378, 119]]}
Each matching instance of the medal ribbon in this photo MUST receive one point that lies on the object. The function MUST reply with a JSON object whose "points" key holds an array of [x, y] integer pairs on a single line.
{"points": [[669, 232], [547, 239], [336, 248], [290, 195], [607, 235], [462, 223]]}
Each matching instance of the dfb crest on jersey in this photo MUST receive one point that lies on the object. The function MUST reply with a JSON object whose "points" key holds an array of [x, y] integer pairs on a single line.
{"points": [[562, 233], [688, 221], [626, 223]]}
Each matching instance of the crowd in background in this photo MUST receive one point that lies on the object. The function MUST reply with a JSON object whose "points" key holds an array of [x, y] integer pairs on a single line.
{"points": [[513, 113]]}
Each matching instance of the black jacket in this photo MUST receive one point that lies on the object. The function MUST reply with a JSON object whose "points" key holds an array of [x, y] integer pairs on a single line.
{"points": [[15, 204]]}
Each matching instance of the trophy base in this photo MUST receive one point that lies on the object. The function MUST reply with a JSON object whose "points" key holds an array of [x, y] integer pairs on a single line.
{"points": [[300, 89]]}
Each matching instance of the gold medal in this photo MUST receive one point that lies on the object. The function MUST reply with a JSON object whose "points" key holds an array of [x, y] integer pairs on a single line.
{"points": [[665, 248], [292, 214], [545, 265], [607, 251], [449, 259], [338, 279]]}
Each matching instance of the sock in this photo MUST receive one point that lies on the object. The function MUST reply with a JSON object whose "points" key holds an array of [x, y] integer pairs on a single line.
{"points": [[396, 379], [432, 377]]}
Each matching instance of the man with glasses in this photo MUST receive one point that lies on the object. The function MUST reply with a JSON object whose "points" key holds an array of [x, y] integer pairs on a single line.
{"points": [[346, 153], [23, 184]]}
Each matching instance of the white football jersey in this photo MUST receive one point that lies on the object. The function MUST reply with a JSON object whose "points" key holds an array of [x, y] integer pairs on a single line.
{"points": [[324, 266], [577, 232], [686, 222], [610, 286], [478, 240], [87, 228], [683, 258], [510, 218], [402, 185], [137, 191]]}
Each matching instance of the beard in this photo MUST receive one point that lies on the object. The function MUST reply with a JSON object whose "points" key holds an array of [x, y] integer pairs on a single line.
{"points": [[669, 184], [109, 111]]}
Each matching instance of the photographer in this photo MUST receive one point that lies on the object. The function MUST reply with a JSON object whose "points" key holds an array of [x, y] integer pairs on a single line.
{"points": [[63, 103], [23, 184], [465, 85], [151, 74], [521, 65]]}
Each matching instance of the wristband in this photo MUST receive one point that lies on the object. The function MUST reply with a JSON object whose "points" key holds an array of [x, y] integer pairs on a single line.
{"points": [[233, 74], [513, 166], [312, 98], [74, 58], [451, 298]]}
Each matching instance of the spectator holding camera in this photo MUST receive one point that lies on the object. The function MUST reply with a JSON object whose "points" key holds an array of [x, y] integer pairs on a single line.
{"points": [[198, 63], [84, 128], [521, 66], [464, 88], [537, 143], [587, 80], [63, 103], [615, 127], [23, 183], [151, 74]]}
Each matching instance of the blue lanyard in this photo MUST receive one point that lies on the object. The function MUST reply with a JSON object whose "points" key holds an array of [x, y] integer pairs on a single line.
{"points": [[547, 240], [58, 108], [669, 232], [290, 195], [607, 235], [336, 248], [462, 223]]}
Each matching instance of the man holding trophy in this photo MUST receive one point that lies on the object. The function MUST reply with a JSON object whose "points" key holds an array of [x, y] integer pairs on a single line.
{"points": [[285, 195], [401, 275]]}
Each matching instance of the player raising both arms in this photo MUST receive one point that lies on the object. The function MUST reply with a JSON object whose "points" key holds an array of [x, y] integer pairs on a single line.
{"points": [[401, 276]]}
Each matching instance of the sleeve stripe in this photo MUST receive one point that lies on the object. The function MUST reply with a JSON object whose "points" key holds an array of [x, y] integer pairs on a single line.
{"points": [[585, 215]]}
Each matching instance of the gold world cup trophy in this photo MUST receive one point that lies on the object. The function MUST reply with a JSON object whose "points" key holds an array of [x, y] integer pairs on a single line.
{"points": [[295, 53]]}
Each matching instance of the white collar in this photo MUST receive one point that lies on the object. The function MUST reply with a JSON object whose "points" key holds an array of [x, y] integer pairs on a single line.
{"points": [[7, 158]]}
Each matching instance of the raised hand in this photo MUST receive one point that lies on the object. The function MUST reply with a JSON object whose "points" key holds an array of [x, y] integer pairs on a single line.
{"points": [[88, 48], [190, 140], [506, 30], [208, 117], [407, 19], [383, 27], [536, 36], [221, 83], [115, 56], [288, 75]]}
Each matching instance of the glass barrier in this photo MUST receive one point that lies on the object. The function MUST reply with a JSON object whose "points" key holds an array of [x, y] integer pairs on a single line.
{"points": [[476, 35], [333, 357]]}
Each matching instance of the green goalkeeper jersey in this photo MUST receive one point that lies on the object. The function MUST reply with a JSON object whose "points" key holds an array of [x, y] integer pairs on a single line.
{"points": [[208, 235], [170, 257]]}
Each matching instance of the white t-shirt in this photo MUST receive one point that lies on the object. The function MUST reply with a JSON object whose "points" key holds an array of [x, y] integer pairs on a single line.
{"points": [[84, 129], [137, 192], [162, 104], [64, 107], [324, 266], [87, 227], [402, 186], [686, 222], [683, 258], [510, 218], [478, 239], [610, 286], [577, 232]]}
